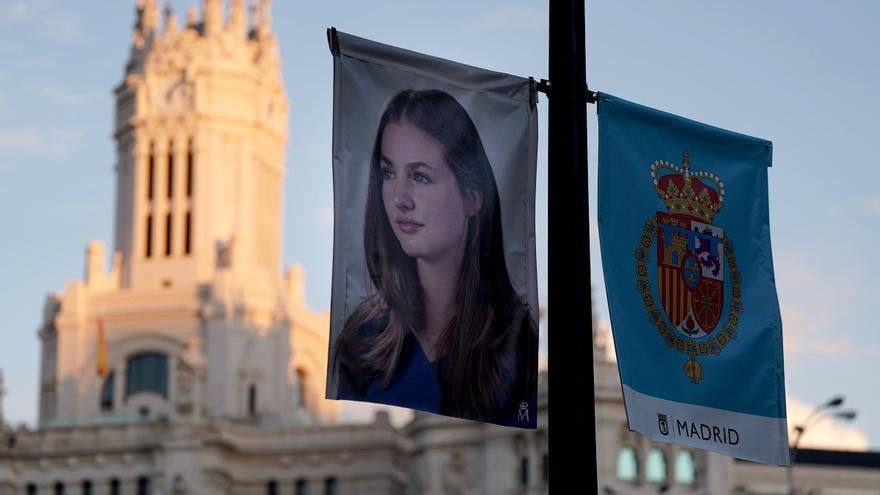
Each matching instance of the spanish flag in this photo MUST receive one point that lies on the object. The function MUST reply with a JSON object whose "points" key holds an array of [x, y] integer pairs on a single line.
{"points": [[102, 350]]}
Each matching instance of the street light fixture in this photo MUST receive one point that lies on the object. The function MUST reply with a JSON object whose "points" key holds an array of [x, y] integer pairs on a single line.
{"points": [[810, 420]]}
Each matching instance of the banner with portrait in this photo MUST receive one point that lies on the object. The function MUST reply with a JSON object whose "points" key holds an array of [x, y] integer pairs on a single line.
{"points": [[685, 236], [435, 301]]}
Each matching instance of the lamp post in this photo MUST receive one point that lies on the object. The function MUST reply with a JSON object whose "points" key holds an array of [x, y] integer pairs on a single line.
{"points": [[810, 420]]}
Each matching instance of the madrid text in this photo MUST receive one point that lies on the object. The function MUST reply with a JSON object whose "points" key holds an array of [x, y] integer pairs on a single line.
{"points": [[708, 433]]}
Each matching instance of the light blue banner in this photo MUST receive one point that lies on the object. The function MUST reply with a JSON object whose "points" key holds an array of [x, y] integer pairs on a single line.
{"points": [[685, 238]]}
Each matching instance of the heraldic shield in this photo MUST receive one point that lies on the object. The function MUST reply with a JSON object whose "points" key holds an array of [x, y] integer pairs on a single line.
{"points": [[690, 271]]}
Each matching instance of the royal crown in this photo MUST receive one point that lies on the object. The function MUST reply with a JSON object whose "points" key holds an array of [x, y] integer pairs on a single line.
{"points": [[686, 192]]}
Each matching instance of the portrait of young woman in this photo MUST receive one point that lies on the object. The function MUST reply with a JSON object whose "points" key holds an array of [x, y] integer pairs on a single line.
{"points": [[443, 329]]}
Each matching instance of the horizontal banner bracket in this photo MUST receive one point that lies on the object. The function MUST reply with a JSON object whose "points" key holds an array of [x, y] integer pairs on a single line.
{"points": [[546, 87]]}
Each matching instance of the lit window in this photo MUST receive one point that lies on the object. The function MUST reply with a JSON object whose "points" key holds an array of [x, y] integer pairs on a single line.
{"points": [[147, 373], [655, 466], [684, 468], [627, 464]]}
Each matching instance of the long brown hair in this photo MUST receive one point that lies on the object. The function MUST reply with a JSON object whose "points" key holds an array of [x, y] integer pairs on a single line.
{"points": [[487, 307]]}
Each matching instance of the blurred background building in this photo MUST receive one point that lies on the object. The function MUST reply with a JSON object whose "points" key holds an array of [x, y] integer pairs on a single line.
{"points": [[188, 362]]}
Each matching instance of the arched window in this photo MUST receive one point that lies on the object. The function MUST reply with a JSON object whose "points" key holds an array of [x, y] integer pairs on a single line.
{"points": [[107, 392], [524, 472], [147, 373], [148, 239], [684, 468], [151, 165], [169, 230], [31, 489], [627, 464], [170, 176], [187, 233], [252, 400], [114, 487], [331, 486], [302, 487], [655, 466], [59, 488], [151, 176], [87, 487], [189, 169], [299, 388], [272, 488], [143, 486]]}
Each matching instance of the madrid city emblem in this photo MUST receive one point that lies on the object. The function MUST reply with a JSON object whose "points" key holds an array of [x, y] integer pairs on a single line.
{"points": [[695, 267]]}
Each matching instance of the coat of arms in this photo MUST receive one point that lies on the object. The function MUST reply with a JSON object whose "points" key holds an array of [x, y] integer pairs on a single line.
{"points": [[690, 269]]}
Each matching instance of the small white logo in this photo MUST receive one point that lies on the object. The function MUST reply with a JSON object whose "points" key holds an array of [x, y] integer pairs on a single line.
{"points": [[523, 413]]}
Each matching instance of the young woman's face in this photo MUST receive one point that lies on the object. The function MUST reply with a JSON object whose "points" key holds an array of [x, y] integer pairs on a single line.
{"points": [[425, 207]]}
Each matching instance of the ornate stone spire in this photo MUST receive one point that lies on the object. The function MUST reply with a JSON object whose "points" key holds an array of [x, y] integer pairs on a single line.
{"points": [[150, 15], [213, 16], [265, 17], [170, 19], [255, 15], [192, 17], [238, 17]]}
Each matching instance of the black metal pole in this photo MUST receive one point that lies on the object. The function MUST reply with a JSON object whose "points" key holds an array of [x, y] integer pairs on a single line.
{"points": [[571, 410]]}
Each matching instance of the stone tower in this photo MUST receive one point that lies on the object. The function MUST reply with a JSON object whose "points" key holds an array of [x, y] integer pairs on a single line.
{"points": [[193, 318]]}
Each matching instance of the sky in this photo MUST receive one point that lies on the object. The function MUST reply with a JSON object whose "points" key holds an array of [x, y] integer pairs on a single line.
{"points": [[803, 74]]}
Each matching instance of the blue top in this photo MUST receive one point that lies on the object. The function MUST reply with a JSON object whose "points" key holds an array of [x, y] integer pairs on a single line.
{"points": [[414, 384], [417, 382]]}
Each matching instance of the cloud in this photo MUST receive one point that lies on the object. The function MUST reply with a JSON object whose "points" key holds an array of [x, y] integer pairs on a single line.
{"points": [[64, 28], [872, 206], [54, 23], [812, 315], [67, 96], [25, 140], [515, 17], [56, 143], [17, 11], [800, 335], [824, 432]]}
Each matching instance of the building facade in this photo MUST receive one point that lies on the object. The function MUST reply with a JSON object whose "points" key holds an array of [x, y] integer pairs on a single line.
{"points": [[192, 364]]}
